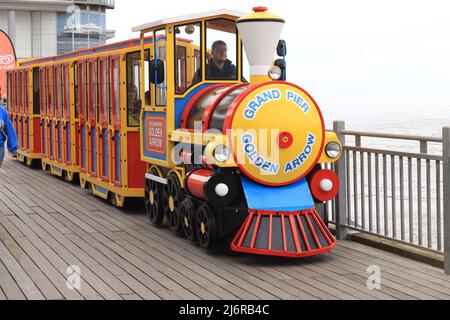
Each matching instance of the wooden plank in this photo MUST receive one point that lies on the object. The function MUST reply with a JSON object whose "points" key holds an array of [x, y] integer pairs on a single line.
{"points": [[9, 286], [41, 281], [101, 273], [55, 260], [51, 220], [21, 277], [226, 270], [24, 198], [389, 278]]}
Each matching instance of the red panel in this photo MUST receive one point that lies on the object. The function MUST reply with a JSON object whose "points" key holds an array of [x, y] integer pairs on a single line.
{"points": [[77, 144], [136, 168], [37, 135]]}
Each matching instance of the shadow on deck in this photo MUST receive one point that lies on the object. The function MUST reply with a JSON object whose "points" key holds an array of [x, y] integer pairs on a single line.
{"points": [[47, 225]]}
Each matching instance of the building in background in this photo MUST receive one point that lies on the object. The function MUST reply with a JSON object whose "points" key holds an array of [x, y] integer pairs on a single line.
{"points": [[49, 27]]}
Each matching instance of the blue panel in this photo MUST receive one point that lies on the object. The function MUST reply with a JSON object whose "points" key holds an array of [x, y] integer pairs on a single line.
{"points": [[56, 169], [296, 196], [68, 142], [101, 190], [181, 103], [105, 154], [117, 139], [51, 138], [44, 145], [94, 151], [83, 147], [59, 140]]}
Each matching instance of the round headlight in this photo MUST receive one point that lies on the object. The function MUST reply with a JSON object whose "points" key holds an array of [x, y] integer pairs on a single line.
{"points": [[275, 73], [333, 149], [221, 153]]}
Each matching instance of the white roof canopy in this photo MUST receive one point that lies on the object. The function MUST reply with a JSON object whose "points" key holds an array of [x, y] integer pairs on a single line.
{"points": [[194, 16]]}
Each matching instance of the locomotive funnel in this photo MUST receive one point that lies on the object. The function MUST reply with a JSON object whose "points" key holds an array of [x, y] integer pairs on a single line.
{"points": [[260, 32]]}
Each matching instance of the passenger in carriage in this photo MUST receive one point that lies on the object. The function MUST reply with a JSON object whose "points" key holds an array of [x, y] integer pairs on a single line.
{"points": [[133, 106]]}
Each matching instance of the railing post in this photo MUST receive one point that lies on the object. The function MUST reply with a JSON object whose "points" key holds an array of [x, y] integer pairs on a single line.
{"points": [[446, 173], [341, 199]]}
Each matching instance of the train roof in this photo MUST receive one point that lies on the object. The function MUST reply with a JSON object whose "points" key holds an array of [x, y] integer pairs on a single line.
{"points": [[183, 18], [87, 51]]}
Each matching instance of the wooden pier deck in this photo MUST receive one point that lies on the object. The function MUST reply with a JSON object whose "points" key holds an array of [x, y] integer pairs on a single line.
{"points": [[47, 225]]}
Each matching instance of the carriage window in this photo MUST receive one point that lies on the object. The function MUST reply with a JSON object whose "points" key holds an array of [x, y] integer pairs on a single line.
{"points": [[81, 71], [20, 89], [8, 86], [134, 102], [93, 106], [36, 92], [115, 92], [58, 90], [75, 86], [66, 100], [187, 70], [43, 91], [161, 88], [221, 45], [50, 104], [103, 90], [14, 87], [27, 100]]}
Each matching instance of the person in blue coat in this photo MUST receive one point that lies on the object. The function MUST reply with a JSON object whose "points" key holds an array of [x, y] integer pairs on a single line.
{"points": [[7, 133]]}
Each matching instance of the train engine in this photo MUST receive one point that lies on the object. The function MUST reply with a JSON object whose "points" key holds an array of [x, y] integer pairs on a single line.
{"points": [[247, 159]]}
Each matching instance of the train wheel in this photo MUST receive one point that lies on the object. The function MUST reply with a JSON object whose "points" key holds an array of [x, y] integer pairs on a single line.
{"points": [[187, 216], [205, 227], [68, 176], [28, 161], [173, 195], [112, 199], [116, 200], [153, 200]]}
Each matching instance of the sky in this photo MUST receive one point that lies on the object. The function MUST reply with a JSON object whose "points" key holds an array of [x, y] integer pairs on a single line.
{"points": [[342, 52]]}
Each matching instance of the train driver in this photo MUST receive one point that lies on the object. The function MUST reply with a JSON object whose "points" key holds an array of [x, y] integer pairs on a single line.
{"points": [[218, 66], [133, 106]]}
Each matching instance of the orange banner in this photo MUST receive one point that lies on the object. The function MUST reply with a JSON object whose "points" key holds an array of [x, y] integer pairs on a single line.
{"points": [[7, 61]]}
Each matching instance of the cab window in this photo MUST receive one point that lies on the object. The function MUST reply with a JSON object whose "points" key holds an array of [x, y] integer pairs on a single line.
{"points": [[188, 70], [160, 53], [221, 48]]}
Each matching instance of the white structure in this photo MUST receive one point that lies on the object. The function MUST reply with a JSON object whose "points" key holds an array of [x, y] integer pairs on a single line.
{"points": [[48, 27]]}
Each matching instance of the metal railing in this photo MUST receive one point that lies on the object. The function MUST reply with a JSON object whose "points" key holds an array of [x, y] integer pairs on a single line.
{"points": [[108, 3], [395, 193]]}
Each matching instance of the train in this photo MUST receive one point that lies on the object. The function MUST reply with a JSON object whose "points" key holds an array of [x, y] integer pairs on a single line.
{"points": [[197, 119]]}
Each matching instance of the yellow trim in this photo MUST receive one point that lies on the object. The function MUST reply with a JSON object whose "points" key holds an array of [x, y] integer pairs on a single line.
{"points": [[125, 192], [180, 172], [329, 137], [259, 16], [157, 169]]}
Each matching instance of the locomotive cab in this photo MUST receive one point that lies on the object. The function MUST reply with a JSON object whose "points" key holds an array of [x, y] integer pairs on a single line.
{"points": [[227, 158]]}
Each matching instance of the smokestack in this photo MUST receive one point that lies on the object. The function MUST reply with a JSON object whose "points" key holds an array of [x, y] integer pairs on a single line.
{"points": [[260, 32]]}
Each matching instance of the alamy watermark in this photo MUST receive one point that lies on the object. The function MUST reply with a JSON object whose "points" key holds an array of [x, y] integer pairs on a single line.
{"points": [[374, 277], [74, 277]]}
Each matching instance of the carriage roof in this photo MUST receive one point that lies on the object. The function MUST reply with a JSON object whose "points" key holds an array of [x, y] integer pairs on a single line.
{"points": [[195, 16]]}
